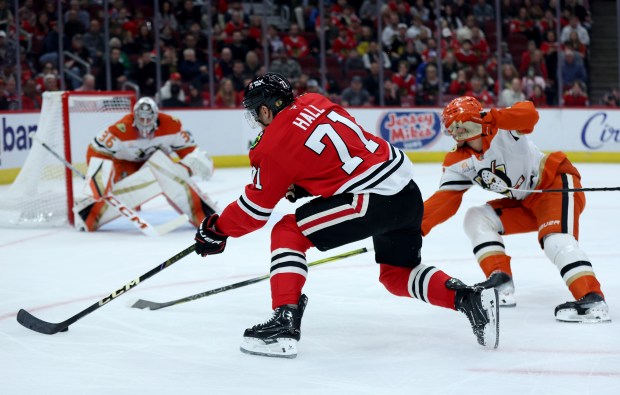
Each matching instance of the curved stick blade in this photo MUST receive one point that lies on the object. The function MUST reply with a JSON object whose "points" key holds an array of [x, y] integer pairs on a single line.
{"points": [[38, 325]]}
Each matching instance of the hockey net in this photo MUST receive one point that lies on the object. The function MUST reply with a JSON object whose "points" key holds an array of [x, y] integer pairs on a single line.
{"points": [[42, 193]]}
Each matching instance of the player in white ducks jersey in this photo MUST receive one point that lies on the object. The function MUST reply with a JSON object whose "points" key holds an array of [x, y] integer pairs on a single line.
{"points": [[363, 187], [494, 152], [138, 149]]}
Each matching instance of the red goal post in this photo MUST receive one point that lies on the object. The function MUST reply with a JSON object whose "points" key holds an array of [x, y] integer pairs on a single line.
{"points": [[42, 195]]}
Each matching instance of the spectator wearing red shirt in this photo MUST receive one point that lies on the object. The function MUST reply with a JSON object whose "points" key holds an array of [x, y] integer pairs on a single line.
{"points": [[533, 60], [538, 97], [404, 80], [236, 23], [255, 29], [548, 22], [343, 44], [295, 45], [226, 97], [395, 5], [42, 27], [460, 85], [448, 40], [479, 92], [479, 44], [576, 96], [522, 24], [466, 55]]}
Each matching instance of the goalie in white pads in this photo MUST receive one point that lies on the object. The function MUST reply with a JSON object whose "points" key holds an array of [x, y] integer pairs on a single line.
{"points": [[494, 152], [132, 160]]}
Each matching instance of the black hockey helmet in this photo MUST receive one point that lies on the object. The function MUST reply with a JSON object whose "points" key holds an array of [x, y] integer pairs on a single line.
{"points": [[272, 90]]}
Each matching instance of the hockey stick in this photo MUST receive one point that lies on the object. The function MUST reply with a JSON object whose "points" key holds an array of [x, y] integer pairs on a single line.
{"points": [[602, 189], [121, 208], [48, 328], [143, 304]]}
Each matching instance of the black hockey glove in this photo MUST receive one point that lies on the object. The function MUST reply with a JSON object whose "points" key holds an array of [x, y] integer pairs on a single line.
{"points": [[295, 192], [208, 240]]}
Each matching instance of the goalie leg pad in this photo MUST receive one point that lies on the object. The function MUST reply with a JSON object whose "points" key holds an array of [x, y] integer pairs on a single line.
{"points": [[182, 193], [93, 212]]}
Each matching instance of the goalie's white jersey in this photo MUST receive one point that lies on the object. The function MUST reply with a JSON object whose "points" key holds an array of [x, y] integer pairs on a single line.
{"points": [[122, 141]]}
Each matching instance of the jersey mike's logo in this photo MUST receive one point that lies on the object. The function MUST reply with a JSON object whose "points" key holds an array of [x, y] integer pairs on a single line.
{"points": [[410, 130]]}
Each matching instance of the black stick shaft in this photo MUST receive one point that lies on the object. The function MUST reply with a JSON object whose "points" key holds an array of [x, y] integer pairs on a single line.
{"points": [[561, 190], [31, 322], [141, 303], [580, 189]]}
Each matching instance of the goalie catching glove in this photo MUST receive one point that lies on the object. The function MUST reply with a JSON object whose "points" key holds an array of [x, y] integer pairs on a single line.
{"points": [[208, 240]]}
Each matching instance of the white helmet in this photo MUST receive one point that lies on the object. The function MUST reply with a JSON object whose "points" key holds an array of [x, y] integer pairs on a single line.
{"points": [[145, 116]]}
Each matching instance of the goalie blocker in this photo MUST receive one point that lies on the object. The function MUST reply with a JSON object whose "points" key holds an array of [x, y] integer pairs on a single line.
{"points": [[159, 175]]}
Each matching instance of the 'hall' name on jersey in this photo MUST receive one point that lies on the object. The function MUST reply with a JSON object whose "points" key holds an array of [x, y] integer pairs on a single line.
{"points": [[306, 117]]}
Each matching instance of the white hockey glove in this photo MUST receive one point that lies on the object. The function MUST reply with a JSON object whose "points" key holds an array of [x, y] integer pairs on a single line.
{"points": [[199, 164]]}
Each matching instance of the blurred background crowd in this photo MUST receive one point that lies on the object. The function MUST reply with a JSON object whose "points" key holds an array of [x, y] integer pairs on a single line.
{"points": [[358, 52]]}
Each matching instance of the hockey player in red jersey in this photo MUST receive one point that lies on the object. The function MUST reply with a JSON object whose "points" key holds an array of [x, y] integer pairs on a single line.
{"points": [[363, 187], [493, 151]]}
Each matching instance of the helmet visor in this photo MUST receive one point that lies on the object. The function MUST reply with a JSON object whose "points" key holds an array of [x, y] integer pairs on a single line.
{"points": [[251, 116]]}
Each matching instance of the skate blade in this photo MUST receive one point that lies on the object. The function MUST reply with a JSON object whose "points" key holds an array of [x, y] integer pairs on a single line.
{"points": [[490, 303], [281, 348], [594, 316], [507, 300]]}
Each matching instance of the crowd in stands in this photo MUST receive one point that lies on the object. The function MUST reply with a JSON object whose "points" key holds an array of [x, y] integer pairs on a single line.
{"points": [[406, 49]]}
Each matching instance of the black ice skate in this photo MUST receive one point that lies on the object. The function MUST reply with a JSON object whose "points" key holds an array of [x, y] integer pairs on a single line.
{"points": [[505, 288], [481, 306], [589, 309], [278, 336]]}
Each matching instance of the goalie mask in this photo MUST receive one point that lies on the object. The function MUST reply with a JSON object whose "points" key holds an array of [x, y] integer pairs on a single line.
{"points": [[271, 90], [145, 114], [457, 118]]}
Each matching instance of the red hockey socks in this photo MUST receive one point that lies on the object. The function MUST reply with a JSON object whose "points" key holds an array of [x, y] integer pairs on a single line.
{"points": [[426, 283], [288, 262]]}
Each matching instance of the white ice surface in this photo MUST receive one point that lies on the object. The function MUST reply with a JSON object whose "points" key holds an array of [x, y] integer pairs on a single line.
{"points": [[356, 337]]}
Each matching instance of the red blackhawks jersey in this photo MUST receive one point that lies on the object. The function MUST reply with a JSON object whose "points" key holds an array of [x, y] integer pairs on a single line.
{"points": [[315, 144]]}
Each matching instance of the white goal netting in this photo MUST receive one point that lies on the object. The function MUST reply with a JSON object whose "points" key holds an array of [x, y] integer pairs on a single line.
{"points": [[42, 193]]}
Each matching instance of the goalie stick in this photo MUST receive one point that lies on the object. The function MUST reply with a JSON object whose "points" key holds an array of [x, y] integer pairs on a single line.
{"points": [[48, 328], [143, 304], [124, 210]]}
